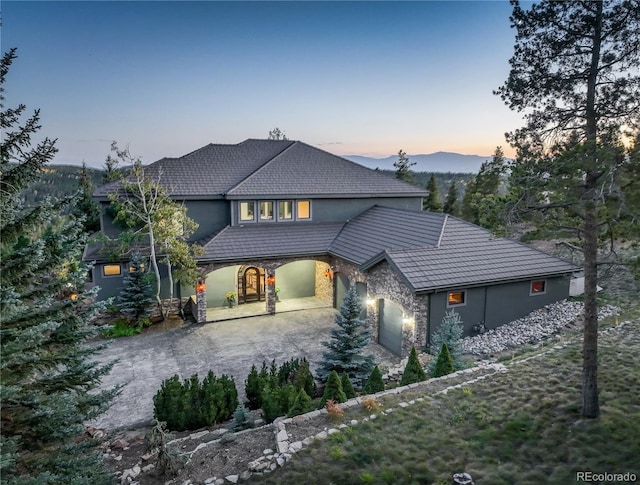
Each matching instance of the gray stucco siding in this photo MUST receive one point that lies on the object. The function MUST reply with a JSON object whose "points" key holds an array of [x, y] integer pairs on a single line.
{"points": [[339, 210], [498, 304], [211, 216]]}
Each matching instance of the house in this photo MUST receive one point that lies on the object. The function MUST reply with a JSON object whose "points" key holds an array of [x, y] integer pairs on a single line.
{"points": [[283, 215]]}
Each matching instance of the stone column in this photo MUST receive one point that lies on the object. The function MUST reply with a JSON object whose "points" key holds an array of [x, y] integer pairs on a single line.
{"points": [[271, 291], [201, 301]]}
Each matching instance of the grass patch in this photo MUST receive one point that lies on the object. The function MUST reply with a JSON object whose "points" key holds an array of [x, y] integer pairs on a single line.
{"points": [[522, 426]]}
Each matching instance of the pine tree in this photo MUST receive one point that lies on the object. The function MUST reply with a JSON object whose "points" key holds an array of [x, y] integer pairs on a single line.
{"points": [[347, 387], [136, 297], [451, 204], [301, 405], [346, 347], [444, 364], [403, 167], [49, 382], [303, 379], [333, 389], [449, 332], [374, 383], [86, 206], [432, 201], [413, 371]]}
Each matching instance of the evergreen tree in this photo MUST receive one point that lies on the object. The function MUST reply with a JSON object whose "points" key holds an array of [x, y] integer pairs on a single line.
{"points": [[346, 347], [403, 167], [449, 332], [451, 204], [432, 201], [303, 379], [574, 72], [413, 371], [347, 387], [301, 405], [374, 383], [87, 208], [48, 378], [240, 418], [333, 389], [444, 364], [136, 297]]}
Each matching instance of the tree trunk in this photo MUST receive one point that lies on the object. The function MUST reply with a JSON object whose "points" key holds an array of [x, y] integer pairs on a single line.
{"points": [[590, 406], [156, 269]]}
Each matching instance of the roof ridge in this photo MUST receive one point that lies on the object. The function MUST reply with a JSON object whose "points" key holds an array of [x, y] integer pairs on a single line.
{"points": [[257, 170], [444, 224]]}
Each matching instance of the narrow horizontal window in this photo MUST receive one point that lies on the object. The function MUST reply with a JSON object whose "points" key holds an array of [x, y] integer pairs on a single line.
{"points": [[111, 270], [538, 287], [304, 209], [247, 211], [456, 298], [285, 210]]}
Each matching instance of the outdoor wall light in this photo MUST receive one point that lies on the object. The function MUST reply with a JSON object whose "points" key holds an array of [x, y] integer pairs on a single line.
{"points": [[201, 286], [329, 273], [73, 297], [370, 301], [271, 280]]}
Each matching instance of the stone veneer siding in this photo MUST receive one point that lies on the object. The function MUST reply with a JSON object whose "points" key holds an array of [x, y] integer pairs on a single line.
{"points": [[382, 282], [324, 285]]}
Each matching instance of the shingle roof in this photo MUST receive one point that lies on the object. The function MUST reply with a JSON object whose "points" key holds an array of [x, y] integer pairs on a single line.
{"points": [[270, 241], [211, 170], [267, 168], [469, 255], [303, 170], [381, 228]]}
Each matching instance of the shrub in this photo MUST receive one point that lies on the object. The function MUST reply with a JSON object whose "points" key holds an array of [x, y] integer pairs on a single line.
{"points": [[370, 404], [136, 297], [271, 403], [333, 389], [444, 365], [121, 328], [192, 405], [334, 411], [301, 405], [347, 387], [303, 379], [240, 419], [413, 371], [374, 383]]}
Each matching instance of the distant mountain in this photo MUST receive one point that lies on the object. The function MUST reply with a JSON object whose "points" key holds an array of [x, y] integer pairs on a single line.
{"points": [[432, 162]]}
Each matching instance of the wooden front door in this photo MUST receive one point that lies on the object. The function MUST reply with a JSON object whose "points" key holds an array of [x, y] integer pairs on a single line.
{"points": [[251, 284]]}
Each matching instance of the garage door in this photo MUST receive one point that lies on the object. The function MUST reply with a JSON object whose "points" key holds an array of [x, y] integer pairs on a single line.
{"points": [[390, 334]]}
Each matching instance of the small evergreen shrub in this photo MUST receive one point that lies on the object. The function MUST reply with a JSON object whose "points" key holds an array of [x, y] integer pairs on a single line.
{"points": [[347, 387], [121, 328], [374, 383], [413, 371], [333, 389], [240, 419], [444, 365], [136, 298], [192, 405], [449, 332], [301, 405], [271, 403]]}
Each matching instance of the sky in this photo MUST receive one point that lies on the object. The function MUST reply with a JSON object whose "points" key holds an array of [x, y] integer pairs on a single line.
{"points": [[166, 78]]}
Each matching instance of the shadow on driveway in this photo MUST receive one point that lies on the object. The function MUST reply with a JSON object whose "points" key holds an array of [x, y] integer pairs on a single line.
{"points": [[229, 347]]}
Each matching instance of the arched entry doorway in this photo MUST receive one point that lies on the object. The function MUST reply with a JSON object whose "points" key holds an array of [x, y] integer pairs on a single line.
{"points": [[251, 284]]}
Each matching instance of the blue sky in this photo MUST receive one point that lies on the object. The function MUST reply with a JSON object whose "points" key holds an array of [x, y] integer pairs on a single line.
{"points": [[165, 78]]}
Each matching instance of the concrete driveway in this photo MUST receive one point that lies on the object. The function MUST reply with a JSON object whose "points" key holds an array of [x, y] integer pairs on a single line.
{"points": [[230, 347]]}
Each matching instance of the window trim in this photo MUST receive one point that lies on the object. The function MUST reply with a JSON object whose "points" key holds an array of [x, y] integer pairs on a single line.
{"points": [[105, 266], [298, 218], [240, 219], [273, 211], [285, 219], [455, 305], [537, 293]]}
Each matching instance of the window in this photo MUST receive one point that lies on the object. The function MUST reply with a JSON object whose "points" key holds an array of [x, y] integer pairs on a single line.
{"points": [[304, 209], [538, 287], [111, 270], [247, 211], [266, 210], [456, 298], [285, 210]]}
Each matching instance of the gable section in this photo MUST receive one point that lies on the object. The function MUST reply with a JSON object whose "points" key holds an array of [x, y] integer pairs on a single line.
{"points": [[382, 228], [303, 170]]}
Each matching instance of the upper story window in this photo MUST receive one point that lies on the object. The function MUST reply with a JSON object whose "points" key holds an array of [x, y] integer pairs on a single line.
{"points": [[303, 209], [266, 210], [285, 210], [538, 287], [456, 298], [247, 211]]}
